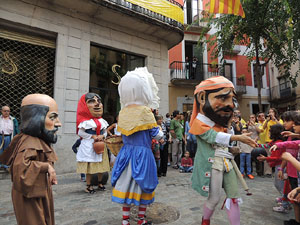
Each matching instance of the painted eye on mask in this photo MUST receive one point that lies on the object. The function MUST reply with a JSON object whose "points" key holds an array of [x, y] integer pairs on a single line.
{"points": [[235, 103]]}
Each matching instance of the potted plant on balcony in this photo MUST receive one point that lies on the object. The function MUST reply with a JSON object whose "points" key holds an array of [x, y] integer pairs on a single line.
{"points": [[214, 64], [241, 80]]}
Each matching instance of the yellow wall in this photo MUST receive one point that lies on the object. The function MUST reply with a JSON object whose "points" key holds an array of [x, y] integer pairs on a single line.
{"points": [[177, 91], [245, 106]]}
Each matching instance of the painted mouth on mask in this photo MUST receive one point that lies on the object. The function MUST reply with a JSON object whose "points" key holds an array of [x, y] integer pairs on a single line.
{"points": [[225, 109], [54, 130]]}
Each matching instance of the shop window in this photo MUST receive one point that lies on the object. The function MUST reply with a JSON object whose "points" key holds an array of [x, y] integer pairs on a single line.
{"points": [[26, 67], [103, 79]]}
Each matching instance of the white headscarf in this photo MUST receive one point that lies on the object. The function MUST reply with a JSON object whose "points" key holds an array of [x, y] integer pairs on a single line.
{"points": [[138, 87]]}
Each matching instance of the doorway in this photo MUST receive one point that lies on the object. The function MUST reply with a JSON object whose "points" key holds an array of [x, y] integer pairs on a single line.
{"points": [[194, 59]]}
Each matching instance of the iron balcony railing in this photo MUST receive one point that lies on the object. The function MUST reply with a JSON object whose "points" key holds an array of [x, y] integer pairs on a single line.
{"points": [[240, 85], [199, 71], [192, 70], [280, 92], [171, 14]]}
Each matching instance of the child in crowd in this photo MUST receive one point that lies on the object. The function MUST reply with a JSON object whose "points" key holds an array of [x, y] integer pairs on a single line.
{"points": [[156, 153], [163, 150], [289, 118], [190, 139], [113, 127], [274, 160], [245, 156], [291, 145], [186, 163]]}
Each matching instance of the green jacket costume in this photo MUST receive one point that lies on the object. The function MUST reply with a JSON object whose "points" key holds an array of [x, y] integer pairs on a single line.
{"points": [[205, 157]]}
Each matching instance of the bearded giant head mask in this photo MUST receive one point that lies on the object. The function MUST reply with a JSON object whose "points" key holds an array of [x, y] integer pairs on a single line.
{"points": [[39, 117], [215, 98]]}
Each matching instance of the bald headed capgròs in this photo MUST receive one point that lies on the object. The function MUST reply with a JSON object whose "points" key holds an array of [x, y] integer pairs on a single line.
{"points": [[37, 99], [34, 111]]}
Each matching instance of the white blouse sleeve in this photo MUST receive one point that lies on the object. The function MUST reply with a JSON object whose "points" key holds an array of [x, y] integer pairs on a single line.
{"points": [[83, 134], [104, 133]]}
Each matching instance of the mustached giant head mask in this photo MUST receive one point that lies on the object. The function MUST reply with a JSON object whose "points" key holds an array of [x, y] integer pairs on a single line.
{"points": [[215, 98], [39, 117]]}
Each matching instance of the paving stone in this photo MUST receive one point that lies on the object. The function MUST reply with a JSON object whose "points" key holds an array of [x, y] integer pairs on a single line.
{"points": [[176, 203]]}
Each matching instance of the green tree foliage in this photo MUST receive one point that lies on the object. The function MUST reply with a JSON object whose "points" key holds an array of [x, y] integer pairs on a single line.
{"points": [[270, 30]]}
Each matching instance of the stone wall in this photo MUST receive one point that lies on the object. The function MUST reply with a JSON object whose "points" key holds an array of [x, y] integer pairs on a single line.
{"points": [[75, 33]]}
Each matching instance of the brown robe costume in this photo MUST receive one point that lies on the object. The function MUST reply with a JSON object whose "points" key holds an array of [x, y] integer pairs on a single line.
{"points": [[32, 198]]}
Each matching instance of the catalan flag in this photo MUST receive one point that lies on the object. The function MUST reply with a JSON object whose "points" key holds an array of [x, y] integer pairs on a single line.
{"points": [[227, 7]]}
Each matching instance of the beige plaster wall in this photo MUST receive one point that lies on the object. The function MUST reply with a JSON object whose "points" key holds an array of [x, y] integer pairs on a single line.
{"points": [[177, 91]]}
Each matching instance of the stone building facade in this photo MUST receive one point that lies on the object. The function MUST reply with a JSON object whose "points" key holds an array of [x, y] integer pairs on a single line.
{"points": [[72, 27]]}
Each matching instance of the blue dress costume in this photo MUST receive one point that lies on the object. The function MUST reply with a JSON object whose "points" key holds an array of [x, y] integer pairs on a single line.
{"points": [[134, 176]]}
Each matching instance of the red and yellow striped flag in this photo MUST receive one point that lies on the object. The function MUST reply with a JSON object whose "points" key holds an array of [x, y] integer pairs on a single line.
{"points": [[227, 7]]}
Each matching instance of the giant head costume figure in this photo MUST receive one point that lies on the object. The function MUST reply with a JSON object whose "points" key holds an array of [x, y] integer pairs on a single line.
{"points": [[215, 98], [139, 87], [39, 117], [89, 107]]}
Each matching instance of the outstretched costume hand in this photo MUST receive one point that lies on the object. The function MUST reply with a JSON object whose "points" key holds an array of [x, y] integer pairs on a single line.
{"points": [[52, 175], [245, 139]]}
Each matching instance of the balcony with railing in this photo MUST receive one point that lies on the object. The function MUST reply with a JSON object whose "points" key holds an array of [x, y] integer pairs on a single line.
{"points": [[185, 73], [162, 19], [240, 85], [281, 93], [170, 11], [192, 73]]}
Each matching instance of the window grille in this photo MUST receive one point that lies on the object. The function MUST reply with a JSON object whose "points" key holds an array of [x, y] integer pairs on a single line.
{"points": [[25, 68]]}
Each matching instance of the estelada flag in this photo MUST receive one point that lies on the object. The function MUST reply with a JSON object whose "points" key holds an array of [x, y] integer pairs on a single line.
{"points": [[226, 7]]}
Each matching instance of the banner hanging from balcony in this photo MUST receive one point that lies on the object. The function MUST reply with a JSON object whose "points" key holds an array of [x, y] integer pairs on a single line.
{"points": [[171, 9], [226, 7]]}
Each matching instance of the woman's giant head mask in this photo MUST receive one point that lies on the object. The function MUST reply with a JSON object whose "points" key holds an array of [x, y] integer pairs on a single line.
{"points": [[89, 107], [138, 87], [39, 117], [93, 102]]}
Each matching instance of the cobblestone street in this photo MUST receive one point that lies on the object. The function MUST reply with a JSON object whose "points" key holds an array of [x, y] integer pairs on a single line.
{"points": [[175, 202]]}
